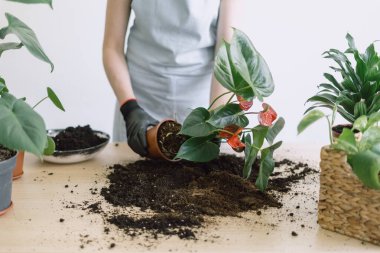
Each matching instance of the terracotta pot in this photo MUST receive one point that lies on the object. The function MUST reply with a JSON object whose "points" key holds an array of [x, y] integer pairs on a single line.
{"points": [[6, 171], [19, 169], [154, 150]]}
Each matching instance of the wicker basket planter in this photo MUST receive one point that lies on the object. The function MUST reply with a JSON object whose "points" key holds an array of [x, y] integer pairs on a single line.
{"points": [[345, 205]]}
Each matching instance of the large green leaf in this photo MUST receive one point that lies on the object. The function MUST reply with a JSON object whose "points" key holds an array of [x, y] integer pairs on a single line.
{"points": [[275, 130], [230, 114], [373, 119], [54, 98], [369, 138], [9, 46], [199, 149], [27, 37], [346, 142], [360, 123], [21, 127], [251, 65], [366, 166], [259, 133], [309, 119], [222, 68], [266, 166], [195, 124], [332, 79], [49, 2]]}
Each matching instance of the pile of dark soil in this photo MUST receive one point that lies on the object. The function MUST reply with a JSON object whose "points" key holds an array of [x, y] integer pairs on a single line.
{"points": [[169, 140], [80, 137], [181, 194], [5, 153]]}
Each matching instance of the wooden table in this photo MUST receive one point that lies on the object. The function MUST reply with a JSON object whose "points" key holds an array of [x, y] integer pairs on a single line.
{"points": [[40, 197]]}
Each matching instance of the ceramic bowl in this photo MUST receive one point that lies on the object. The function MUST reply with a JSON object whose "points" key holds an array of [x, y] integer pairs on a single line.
{"points": [[78, 155]]}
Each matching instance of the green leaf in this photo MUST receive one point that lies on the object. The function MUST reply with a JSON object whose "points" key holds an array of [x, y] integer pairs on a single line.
{"points": [[370, 138], [21, 127], [366, 166], [275, 130], [251, 65], [309, 119], [259, 133], [50, 146], [266, 166], [360, 123], [222, 68], [324, 98], [49, 2], [54, 98], [230, 114], [3, 86], [351, 41], [9, 46], [250, 155], [332, 79], [373, 119], [199, 149], [195, 124], [27, 37], [329, 87], [346, 142]]}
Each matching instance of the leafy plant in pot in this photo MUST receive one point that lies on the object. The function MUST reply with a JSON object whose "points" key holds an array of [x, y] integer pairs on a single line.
{"points": [[241, 69], [22, 128], [350, 165], [358, 92]]}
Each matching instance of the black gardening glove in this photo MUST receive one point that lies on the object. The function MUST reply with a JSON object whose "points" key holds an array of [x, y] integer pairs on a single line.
{"points": [[136, 121]]}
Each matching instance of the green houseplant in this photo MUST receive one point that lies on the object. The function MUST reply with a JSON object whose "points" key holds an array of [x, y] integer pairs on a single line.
{"points": [[358, 91], [22, 128], [350, 164], [241, 69]]}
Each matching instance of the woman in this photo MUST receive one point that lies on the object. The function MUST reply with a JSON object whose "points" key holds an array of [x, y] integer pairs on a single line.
{"points": [[167, 69]]}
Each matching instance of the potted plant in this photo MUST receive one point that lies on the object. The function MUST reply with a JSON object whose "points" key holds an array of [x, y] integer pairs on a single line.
{"points": [[22, 128], [241, 69], [350, 166], [358, 91]]}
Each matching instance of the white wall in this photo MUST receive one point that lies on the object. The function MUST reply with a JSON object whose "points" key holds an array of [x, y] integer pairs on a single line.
{"points": [[290, 34]]}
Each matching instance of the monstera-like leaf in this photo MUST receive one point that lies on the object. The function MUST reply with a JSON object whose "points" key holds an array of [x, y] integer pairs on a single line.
{"points": [[21, 127]]}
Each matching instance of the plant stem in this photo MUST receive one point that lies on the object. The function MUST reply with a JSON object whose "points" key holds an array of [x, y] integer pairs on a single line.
{"points": [[330, 130], [252, 113], [39, 102], [222, 130], [229, 100], [221, 95]]}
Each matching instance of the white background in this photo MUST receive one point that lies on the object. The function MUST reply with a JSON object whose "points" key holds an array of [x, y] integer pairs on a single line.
{"points": [[290, 34]]}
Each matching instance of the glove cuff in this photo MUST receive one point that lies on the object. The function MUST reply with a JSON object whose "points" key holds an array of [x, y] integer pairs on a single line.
{"points": [[129, 106]]}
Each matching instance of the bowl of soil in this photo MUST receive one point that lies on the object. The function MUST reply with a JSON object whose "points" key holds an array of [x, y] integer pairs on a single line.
{"points": [[76, 144], [164, 141]]}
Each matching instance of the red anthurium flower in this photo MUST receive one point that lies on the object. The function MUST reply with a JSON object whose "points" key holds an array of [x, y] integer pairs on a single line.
{"points": [[236, 143], [244, 104], [234, 129], [267, 116]]}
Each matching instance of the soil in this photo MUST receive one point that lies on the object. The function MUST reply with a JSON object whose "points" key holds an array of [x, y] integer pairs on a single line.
{"points": [[169, 141], [73, 138], [339, 128], [175, 198], [5, 153]]}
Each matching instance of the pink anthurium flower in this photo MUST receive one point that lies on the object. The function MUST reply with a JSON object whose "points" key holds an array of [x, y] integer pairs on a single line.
{"points": [[244, 104], [267, 116], [232, 137]]}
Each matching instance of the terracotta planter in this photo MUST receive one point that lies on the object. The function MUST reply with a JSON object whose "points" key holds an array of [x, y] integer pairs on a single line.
{"points": [[19, 169], [154, 150], [6, 172], [345, 205]]}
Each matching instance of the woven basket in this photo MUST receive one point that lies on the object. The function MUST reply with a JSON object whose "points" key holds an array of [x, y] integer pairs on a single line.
{"points": [[345, 205]]}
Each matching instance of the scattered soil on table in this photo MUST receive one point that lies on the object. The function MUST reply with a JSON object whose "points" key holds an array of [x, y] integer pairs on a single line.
{"points": [[5, 153], [174, 198], [80, 137], [169, 141]]}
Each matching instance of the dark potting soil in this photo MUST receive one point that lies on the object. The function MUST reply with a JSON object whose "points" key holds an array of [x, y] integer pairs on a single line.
{"points": [[5, 153], [73, 138], [169, 140], [182, 193]]}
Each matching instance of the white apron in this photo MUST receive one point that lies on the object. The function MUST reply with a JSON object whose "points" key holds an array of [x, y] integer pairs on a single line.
{"points": [[170, 57]]}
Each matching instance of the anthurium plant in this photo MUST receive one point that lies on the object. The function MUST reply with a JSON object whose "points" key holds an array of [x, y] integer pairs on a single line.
{"points": [[241, 69], [361, 143], [357, 91], [21, 127]]}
